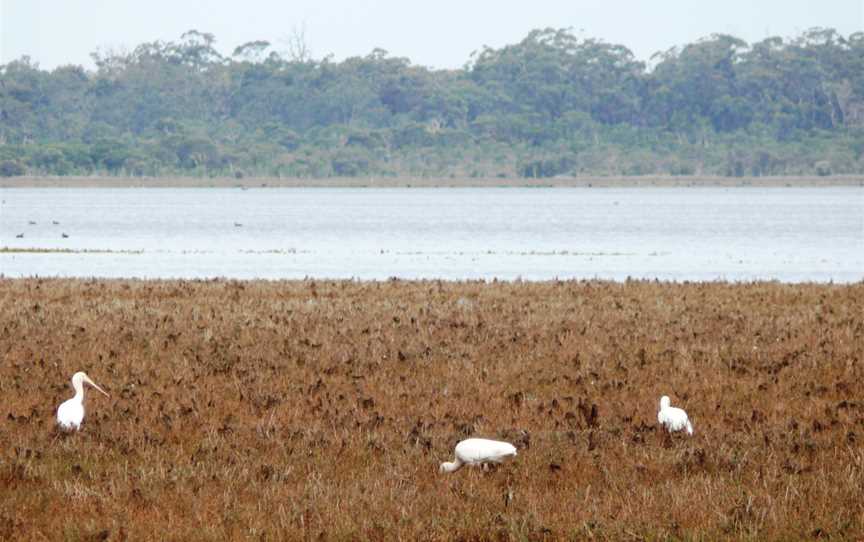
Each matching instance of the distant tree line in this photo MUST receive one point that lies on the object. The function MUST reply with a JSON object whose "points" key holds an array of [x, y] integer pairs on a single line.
{"points": [[553, 104]]}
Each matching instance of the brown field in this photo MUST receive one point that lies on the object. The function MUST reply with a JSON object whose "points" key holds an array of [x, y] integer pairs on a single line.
{"points": [[321, 410], [428, 182]]}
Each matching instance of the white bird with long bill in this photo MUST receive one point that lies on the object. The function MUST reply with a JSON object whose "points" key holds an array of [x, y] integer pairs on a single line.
{"points": [[672, 418], [476, 451], [70, 413]]}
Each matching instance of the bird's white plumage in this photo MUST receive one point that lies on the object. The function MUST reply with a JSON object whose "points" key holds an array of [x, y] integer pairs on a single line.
{"points": [[70, 413], [672, 418], [475, 451]]}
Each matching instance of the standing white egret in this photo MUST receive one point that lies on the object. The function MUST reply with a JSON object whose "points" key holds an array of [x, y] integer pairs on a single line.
{"points": [[70, 413], [476, 451], [672, 418]]}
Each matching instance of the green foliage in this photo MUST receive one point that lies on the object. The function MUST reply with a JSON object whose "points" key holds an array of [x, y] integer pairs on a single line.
{"points": [[548, 167], [552, 104], [9, 168], [823, 168]]}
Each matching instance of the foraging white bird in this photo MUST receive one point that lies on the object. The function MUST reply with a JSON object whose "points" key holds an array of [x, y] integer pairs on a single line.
{"points": [[70, 413], [476, 451], [672, 418]]}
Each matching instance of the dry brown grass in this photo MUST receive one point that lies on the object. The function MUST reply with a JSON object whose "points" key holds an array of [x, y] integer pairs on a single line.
{"points": [[299, 410]]}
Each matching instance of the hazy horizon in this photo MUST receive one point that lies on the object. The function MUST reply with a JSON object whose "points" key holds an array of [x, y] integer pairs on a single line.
{"points": [[55, 33]]}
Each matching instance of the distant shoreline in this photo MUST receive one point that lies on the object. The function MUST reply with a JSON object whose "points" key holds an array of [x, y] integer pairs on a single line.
{"points": [[409, 182]]}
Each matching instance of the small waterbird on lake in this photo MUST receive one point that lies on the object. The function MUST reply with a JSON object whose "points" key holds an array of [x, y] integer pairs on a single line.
{"points": [[238, 225], [64, 236], [70, 413], [31, 222], [477, 451], [55, 222], [672, 418], [20, 236]]}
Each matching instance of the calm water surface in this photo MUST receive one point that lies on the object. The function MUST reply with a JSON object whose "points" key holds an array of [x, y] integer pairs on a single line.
{"points": [[787, 234]]}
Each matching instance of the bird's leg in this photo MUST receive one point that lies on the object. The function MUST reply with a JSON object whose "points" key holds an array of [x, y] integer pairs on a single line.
{"points": [[490, 466], [661, 434], [667, 439]]}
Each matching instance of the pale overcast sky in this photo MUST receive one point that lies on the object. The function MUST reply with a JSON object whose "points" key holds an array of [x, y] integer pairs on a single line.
{"points": [[439, 33]]}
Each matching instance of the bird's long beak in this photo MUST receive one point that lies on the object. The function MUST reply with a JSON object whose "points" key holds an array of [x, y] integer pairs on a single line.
{"points": [[87, 379]]}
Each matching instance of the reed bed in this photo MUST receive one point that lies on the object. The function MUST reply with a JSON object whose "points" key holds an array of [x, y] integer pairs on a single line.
{"points": [[321, 410]]}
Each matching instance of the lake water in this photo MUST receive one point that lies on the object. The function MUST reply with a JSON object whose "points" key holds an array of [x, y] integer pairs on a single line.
{"points": [[786, 234]]}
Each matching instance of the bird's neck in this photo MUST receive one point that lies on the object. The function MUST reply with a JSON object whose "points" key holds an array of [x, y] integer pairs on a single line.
{"points": [[79, 394], [450, 467]]}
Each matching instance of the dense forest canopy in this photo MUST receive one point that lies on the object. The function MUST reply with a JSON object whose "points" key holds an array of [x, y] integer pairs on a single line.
{"points": [[552, 104]]}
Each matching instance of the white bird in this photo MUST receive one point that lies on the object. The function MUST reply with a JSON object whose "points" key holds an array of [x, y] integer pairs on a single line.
{"points": [[476, 451], [672, 418], [70, 413]]}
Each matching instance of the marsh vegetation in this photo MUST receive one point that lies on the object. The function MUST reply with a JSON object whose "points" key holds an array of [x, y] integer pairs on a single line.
{"points": [[312, 409]]}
